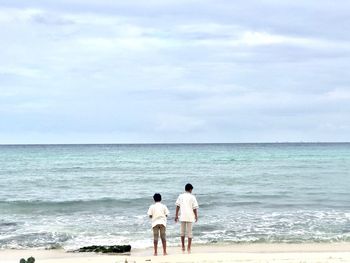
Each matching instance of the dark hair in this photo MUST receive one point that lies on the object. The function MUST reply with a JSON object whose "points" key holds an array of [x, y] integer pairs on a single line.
{"points": [[188, 187], [157, 197]]}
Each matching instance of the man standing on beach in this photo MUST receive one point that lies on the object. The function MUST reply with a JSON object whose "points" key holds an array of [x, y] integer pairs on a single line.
{"points": [[187, 205]]}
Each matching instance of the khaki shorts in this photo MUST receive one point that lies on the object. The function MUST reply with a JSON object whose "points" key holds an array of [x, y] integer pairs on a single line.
{"points": [[159, 230], [186, 227]]}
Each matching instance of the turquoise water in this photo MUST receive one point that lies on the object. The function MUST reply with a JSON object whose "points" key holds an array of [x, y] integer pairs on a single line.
{"points": [[73, 195]]}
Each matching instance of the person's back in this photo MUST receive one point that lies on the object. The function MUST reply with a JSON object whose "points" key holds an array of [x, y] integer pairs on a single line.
{"points": [[187, 202], [187, 205], [158, 213]]}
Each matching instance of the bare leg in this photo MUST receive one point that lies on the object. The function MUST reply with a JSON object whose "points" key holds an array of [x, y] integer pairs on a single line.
{"points": [[183, 243], [189, 245], [155, 243], [164, 246]]}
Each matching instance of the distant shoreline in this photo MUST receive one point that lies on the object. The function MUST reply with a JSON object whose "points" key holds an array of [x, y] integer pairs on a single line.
{"points": [[176, 143]]}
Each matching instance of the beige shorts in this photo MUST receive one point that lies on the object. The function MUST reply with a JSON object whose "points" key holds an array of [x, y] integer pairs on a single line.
{"points": [[159, 230], [186, 227]]}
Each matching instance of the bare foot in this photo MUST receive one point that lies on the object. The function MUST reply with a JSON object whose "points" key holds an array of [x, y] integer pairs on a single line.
{"points": [[189, 251], [155, 254], [183, 249], [164, 253]]}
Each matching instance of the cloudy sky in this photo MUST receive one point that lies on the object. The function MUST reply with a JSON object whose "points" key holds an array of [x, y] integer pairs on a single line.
{"points": [[103, 71]]}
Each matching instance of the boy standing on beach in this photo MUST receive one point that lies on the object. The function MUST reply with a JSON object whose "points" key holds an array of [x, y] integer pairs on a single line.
{"points": [[187, 204], [158, 213]]}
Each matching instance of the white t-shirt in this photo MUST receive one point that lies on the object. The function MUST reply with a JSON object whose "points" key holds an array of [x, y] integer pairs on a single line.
{"points": [[159, 213], [187, 202]]}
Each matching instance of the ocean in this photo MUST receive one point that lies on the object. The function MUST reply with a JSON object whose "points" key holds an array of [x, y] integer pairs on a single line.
{"points": [[68, 196]]}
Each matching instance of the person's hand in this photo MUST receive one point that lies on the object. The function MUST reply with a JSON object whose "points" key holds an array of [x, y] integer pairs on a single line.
{"points": [[176, 219]]}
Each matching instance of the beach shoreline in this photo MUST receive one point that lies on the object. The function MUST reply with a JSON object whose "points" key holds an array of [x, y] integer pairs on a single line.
{"points": [[312, 252]]}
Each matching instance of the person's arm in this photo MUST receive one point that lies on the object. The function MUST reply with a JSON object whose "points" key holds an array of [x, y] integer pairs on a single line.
{"points": [[150, 212], [195, 214], [195, 208], [177, 203], [166, 211], [177, 213]]}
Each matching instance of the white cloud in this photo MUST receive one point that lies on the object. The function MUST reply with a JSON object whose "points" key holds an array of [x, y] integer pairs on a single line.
{"points": [[113, 44], [262, 38], [21, 71], [175, 123], [173, 72], [13, 15], [340, 94]]}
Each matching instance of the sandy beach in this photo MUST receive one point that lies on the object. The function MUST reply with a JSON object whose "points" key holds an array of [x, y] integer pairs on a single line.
{"points": [[337, 252]]}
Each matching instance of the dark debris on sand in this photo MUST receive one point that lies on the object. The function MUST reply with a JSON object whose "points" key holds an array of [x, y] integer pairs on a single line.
{"points": [[106, 249]]}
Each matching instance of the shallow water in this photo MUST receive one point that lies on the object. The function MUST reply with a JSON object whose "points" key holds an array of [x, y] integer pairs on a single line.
{"points": [[73, 195]]}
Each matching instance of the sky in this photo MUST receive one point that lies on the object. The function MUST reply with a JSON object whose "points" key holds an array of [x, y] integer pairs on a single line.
{"points": [[166, 71]]}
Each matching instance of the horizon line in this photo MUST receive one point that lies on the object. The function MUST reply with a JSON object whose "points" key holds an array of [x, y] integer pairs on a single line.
{"points": [[176, 143]]}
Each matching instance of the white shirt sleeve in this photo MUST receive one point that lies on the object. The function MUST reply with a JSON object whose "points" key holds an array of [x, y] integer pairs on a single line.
{"points": [[194, 203], [178, 201], [150, 211], [166, 210]]}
